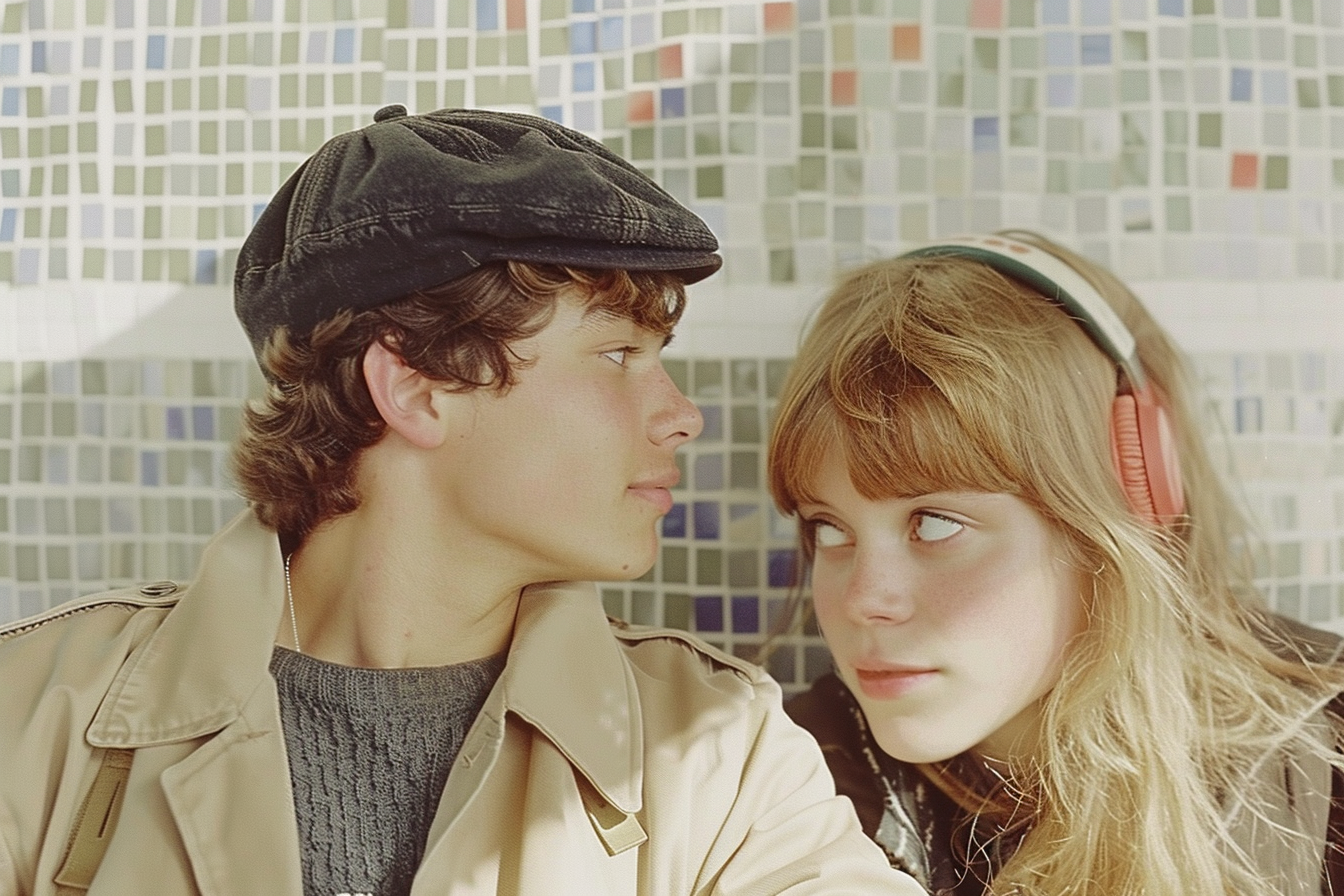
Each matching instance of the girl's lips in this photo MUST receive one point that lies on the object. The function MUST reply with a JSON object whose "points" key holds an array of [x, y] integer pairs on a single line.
{"points": [[891, 683]]}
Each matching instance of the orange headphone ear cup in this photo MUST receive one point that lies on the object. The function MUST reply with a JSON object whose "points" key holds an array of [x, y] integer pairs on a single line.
{"points": [[1143, 450]]}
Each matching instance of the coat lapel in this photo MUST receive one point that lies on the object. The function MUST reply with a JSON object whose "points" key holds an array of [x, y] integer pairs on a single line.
{"points": [[232, 803]]}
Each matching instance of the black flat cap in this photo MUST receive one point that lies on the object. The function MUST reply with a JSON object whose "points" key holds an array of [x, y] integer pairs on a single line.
{"points": [[413, 201]]}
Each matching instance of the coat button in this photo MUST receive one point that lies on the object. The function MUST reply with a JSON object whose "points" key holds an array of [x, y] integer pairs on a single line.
{"points": [[396, 110], [158, 589]]}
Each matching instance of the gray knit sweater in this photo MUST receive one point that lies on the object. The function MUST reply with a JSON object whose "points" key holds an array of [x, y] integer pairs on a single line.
{"points": [[369, 753]]}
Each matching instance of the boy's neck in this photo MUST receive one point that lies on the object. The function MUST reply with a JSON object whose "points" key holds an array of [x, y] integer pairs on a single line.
{"points": [[370, 590]]}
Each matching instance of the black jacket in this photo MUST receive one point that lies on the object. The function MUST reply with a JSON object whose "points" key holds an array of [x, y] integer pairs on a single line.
{"points": [[946, 848]]}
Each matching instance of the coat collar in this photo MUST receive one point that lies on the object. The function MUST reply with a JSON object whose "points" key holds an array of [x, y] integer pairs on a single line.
{"points": [[566, 675]]}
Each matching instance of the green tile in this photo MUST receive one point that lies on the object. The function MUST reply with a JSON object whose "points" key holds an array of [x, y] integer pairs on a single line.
{"points": [[1179, 216], [1276, 173], [742, 138], [1021, 13], [709, 182], [1204, 40], [708, 566], [1209, 129], [675, 564], [1308, 93]]}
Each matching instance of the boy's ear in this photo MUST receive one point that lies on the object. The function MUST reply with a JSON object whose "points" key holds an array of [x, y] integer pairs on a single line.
{"points": [[404, 397]]}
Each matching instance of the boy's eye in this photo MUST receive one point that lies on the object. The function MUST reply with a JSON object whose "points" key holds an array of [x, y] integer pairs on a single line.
{"points": [[622, 355], [934, 527], [826, 535]]}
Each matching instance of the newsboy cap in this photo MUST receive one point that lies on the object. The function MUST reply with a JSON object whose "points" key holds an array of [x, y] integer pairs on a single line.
{"points": [[413, 201]]}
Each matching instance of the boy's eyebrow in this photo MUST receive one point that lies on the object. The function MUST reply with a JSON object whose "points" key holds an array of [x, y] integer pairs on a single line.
{"points": [[596, 315]]}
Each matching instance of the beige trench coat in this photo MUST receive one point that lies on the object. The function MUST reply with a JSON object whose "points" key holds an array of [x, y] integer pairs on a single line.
{"points": [[593, 731]]}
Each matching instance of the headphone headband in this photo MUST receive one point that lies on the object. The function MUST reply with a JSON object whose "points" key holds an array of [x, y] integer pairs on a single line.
{"points": [[1057, 281]]}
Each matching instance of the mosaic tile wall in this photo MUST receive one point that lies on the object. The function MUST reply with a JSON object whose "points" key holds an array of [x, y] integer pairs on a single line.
{"points": [[1196, 146]]}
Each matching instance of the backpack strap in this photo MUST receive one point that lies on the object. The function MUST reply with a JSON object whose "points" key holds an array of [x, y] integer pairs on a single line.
{"points": [[95, 824]]}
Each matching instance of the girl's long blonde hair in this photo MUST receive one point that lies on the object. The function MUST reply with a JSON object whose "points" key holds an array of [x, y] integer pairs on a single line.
{"points": [[936, 373]]}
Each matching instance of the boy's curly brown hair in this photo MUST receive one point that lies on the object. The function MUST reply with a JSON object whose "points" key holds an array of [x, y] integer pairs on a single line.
{"points": [[296, 459]]}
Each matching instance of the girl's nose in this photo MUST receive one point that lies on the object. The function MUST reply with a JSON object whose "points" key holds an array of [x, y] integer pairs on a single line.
{"points": [[877, 590]]}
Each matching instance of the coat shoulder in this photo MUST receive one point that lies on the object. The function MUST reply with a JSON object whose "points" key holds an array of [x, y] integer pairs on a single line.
{"points": [[662, 650], [78, 647], [99, 609]]}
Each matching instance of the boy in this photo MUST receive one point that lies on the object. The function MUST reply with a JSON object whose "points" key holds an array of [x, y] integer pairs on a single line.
{"points": [[385, 675]]}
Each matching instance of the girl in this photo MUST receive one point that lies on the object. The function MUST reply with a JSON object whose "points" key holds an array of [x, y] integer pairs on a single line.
{"points": [[1049, 677]]}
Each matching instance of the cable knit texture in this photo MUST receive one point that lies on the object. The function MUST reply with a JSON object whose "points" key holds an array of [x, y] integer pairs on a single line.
{"points": [[369, 753]]}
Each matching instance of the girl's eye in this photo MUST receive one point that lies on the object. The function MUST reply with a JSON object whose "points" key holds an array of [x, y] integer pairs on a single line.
{"points": [[934, 527], [825, 535]]}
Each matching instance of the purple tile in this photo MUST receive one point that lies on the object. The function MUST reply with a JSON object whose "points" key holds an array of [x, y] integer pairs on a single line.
{"points": [[674, 523], [781, 567], [709, 614], [746, 614], [705, 517]]}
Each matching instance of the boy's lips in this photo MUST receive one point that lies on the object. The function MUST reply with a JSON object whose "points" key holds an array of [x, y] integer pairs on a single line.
{"points": [[656, 489]]}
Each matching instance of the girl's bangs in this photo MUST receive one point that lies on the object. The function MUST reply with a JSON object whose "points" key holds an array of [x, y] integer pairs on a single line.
{"points": [[898, 442]]}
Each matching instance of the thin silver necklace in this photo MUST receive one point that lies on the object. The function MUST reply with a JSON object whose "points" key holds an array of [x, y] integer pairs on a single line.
{"points": [[293, 620]]}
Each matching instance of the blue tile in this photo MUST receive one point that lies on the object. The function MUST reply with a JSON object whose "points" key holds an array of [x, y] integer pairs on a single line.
{"points": [[554, 113], [207, 263], [1096, 12], [583, 37], [585, 77], [585, 6], [673, 102], [203, 423], [1171, 7], [746, 614], [674, 523], [713, 417], [9, 219], [487, 15], [156, 50], [985, 134], [343, 48], [781, 568], [612, 35], [39, 56], [9, 101], [1095, 49], [705, 519], [175, 423], [1054, 12], [1241, 85], [151, 468], [9, 59], [709, 614]]}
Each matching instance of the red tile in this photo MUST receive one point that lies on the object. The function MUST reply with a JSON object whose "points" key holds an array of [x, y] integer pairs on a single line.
{"points": [[905, 43], [639, 106], [1245, 170], [844, 88], [986, 13], [778, 17], [669, 61]]}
